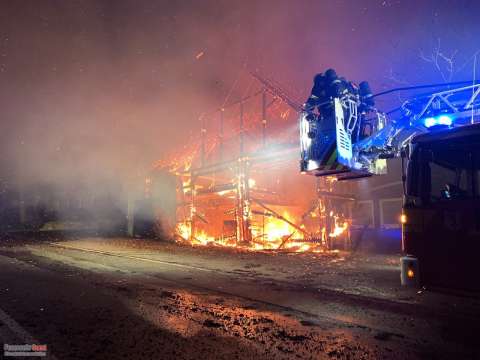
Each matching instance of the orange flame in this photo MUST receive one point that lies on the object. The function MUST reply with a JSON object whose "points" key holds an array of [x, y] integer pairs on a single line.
{"points": [[339, 229], [276, 229]]}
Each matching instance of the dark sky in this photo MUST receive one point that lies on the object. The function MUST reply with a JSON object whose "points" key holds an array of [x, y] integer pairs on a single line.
{"points": [[98, 87]]}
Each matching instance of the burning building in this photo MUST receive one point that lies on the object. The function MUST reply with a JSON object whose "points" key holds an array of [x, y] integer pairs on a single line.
{"points": [[237, 181]]}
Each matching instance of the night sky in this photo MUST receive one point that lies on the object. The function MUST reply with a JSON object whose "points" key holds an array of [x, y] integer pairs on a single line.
{"points": [[101, 87]]}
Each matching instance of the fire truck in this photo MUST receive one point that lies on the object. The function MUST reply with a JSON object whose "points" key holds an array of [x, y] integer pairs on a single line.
{"points": [[436, 134]]}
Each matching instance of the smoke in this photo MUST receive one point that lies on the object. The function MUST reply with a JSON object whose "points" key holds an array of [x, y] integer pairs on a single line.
{"points": [[89, 92], [93, 92]]}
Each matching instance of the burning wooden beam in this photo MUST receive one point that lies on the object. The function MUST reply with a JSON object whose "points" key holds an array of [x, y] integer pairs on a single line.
{"points": [[280, 217]]}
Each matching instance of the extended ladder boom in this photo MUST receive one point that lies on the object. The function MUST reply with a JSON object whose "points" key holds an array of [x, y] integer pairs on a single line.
{"points": [[344, 135]]}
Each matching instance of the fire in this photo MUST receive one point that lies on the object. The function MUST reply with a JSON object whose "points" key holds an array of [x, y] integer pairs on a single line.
{"points": [[299, 247], [186, 186], [237, 187], [225, 192], [339, 229], [201, 238], [183, 230], [270, 229], [275, 229], [273, 233]]}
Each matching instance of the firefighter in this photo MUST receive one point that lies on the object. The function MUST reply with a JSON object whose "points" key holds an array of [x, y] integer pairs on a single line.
{"points": [[326, 87], [334, 88], [318, 93], [335, 85], [322, 91]]}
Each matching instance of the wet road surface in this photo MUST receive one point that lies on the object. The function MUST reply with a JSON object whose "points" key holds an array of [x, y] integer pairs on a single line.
{"points": [[134, 299]]}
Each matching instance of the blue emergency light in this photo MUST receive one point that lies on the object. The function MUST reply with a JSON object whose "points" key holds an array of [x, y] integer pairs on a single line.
{"points": [[445, 120]]}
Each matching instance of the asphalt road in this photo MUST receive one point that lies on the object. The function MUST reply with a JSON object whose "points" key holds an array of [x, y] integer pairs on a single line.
{"points": [[134, 299]]}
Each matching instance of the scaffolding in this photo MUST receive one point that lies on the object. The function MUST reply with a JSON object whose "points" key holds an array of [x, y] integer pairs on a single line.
{"points": [[229, 189]]}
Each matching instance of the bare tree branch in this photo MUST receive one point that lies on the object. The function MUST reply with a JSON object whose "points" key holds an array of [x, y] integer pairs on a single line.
{"points": [[443, 63]]}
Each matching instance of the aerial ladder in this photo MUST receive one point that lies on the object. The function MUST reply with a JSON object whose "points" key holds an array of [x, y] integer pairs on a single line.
{"points": [[346, 136], [437, 136]]}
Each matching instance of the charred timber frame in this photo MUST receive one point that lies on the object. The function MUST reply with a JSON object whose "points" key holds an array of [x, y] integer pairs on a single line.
{"points": [[243, 201], [240, 167]]}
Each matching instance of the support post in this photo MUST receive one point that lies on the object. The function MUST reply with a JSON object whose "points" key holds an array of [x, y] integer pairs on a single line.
{"points": [[192, 208], [242, 130], [243, 210]]}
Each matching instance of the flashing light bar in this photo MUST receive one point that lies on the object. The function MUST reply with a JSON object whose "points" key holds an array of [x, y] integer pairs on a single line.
{"points": [[445, 120]]}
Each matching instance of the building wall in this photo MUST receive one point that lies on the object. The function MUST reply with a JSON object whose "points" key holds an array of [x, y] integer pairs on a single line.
{"points": [[376, 215]]}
